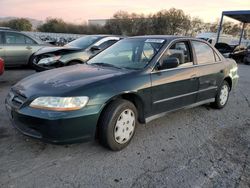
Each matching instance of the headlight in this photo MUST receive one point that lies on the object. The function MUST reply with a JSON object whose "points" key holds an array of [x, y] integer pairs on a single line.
{"points": [[48, 60], [60, 103]]}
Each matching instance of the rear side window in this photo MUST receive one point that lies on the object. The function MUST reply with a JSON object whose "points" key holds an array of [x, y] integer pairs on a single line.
{"points": [[1, 38], [14, 38], [204, 53], [107, 44]]}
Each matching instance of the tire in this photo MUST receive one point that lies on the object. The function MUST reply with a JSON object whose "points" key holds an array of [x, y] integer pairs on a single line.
{"points": [[35, 66], [30, 62], [114, 132], [222, 96]]}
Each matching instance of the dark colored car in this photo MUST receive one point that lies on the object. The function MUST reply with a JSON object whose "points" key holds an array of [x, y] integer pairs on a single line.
{"points": [[17, 48], [1, 66], [246, 59], [137, 79], [77, 51], [235, 52]]}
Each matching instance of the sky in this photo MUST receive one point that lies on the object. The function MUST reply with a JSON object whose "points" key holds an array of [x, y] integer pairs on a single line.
{"points": [[79, 11]]}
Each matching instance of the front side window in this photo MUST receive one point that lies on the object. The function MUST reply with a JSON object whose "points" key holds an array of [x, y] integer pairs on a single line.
{"points": [[204, 53], [180, 52], [14, 38], [129, 53]]}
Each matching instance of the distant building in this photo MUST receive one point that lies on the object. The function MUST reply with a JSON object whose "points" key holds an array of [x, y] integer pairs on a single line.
{"points": [[100, 22]]}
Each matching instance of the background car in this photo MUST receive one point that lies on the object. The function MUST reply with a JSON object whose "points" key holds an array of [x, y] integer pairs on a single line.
{"points": [[16, 48], [1, 66], [246, 59], [77, 51], [235, 52]]}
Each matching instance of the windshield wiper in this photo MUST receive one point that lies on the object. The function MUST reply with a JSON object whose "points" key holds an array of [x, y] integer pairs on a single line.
{"points": [[105, 65]]}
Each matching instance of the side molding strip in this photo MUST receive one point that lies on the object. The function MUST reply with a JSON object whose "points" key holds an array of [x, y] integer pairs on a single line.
{"points": [[148, 119], [184, 95]]}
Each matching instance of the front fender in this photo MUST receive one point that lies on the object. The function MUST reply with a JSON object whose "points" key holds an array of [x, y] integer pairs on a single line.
{"points": [[77, 56]]}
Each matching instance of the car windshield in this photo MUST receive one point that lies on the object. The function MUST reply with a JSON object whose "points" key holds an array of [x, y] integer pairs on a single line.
{"points": [[129, 53], [84, 42]]}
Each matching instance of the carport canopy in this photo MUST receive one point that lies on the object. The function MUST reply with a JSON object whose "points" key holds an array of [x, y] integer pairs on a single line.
{"points": [[242, 16]]}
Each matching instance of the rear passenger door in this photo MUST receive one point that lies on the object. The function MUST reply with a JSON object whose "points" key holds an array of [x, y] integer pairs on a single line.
{"points": [[210, 70]]}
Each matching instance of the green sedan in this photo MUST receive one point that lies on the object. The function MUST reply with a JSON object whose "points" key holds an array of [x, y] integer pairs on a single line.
{"points": [[135, 80]]}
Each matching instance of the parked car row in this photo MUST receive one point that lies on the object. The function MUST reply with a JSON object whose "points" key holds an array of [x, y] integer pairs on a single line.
{"points": [[18, 49], [228, 46], [236, 52], [136, 79], [61, 41]]}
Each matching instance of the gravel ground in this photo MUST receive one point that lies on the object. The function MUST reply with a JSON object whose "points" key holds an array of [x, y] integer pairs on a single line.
{"points": [[199, 147]]}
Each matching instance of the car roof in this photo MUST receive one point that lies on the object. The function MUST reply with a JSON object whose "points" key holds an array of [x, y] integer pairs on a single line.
{"points": [[168, 38], [6, 29], [105, 35]]}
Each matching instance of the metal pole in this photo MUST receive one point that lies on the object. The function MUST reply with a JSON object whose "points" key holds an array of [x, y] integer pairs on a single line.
{"points": [[242, 32], [219, 28]]}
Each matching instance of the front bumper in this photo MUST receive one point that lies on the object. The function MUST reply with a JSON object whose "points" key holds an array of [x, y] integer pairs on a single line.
{"points": [[55, 127]]}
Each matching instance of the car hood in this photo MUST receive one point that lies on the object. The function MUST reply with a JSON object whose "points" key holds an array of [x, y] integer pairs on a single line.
{"points": [[57, 49], [58, 82]]}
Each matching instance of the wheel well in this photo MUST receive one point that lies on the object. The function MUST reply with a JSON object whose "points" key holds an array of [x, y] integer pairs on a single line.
{"points": [[30, 59], [72, 61], [135, 99], [229, 81]]}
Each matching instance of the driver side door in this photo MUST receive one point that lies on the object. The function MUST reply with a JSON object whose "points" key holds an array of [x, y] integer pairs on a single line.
{"points": [[173, 88]]}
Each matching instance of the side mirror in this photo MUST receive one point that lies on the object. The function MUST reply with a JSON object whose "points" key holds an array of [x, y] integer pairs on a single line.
{"points": [[170, 62], [95, 48]]}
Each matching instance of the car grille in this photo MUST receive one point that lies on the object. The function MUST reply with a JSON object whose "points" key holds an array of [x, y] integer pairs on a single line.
{"points": [[16, 99]]}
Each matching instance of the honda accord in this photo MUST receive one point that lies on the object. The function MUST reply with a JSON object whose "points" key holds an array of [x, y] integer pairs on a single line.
{"points": [[136, 80]]}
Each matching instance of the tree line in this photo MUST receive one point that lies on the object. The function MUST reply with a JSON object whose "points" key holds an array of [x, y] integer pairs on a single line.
{"points": [[167, 22]]}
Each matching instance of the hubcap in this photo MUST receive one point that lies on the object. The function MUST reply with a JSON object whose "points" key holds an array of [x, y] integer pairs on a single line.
{"points": [[224, 95], [125, 126]]}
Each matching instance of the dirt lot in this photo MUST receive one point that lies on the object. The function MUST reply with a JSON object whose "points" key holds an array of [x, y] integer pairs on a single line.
{"points": [[199, 147]]}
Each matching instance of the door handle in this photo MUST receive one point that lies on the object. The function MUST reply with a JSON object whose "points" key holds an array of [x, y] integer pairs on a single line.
{"points": [[28, 48], [193, 77]]}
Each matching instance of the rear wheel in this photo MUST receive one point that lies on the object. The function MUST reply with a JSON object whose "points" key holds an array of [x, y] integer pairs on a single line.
{"points": [[222, 96], [117, 124], [30, 62]]}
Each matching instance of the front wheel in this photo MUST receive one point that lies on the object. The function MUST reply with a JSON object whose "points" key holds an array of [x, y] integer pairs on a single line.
{"points": [[117, 124], [222, 96]]}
